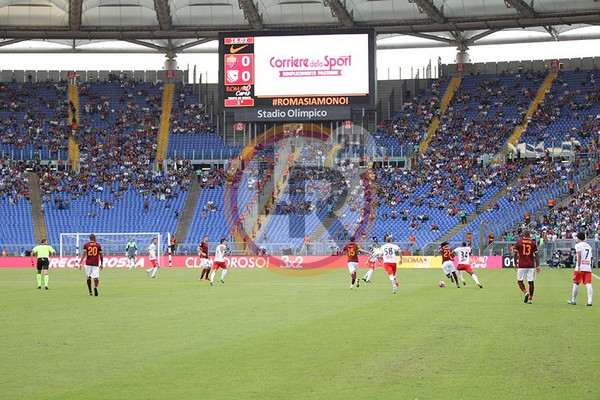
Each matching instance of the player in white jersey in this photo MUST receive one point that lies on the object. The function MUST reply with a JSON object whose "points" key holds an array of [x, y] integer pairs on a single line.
{"points": [[151, 250], [583, 269], [219, 261], [371, 262], [463, 253], [388, 252]]}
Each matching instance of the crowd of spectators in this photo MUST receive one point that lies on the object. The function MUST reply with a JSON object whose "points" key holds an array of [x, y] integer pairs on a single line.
{"points": [[34, 114], [14, 184], [570, 103], [189, 117]]}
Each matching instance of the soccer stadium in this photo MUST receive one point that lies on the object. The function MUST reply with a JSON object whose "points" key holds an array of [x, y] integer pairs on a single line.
{"points": [[299, 199]]}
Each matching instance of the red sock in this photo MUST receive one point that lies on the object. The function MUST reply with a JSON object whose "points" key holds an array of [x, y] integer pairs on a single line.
{"points": [[96, 281], [89, 284], [522, 286], [353, 278]]}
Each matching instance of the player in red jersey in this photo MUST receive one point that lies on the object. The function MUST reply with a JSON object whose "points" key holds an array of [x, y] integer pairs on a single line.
{"points": [[204, 260], [527, 260], [352, 250], [447, 263], [92, 253]]}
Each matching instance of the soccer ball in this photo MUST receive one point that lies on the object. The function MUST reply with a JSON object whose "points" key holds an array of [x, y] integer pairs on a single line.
{"points": [[442, 284]]}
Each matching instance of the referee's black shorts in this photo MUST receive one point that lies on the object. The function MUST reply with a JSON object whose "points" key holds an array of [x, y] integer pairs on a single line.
{"points": [[42, 263]]}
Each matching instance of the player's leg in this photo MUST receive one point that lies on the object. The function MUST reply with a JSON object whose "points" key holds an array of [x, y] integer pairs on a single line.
{"points": [[520, 278], [576, 281], [352, 270], [530, 279], [155, 269], [96, 277], [223, 273], [587, 279], [367, 277], [213, 273], [470, 272], [88, 274], [39, 275], [460, 275], [46, 278]]}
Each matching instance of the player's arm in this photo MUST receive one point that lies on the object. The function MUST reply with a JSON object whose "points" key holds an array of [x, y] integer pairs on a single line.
{"points": [[399, 253], [34, 251], [537, 261], [363, 251], [101, 258], [578, 263], [516, 258]]}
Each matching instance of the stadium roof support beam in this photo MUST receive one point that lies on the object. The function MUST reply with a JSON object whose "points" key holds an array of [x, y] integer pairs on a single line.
{"points": [[192, 44], [145, 44], [481, 35], [340, 11], [163, 14], [75, 9], [251, 14], [431, 37], [430, 9], [522, 7]]}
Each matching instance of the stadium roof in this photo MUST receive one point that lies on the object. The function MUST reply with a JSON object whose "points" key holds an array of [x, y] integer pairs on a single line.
{"points": [[173, 26]]}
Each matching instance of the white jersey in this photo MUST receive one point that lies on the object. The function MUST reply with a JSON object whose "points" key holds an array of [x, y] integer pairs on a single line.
{"points": [[586, 256], [152, 251], [220, 253], [388, 252], [463, 254]]}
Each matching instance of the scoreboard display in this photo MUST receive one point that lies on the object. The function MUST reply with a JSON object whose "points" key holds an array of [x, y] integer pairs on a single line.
{"points": [[298, 69]]}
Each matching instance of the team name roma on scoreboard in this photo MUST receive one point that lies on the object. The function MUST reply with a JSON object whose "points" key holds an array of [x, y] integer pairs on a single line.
{"points": [[292, 113]]}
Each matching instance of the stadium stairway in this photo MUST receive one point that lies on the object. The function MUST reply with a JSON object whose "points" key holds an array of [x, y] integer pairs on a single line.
{"points": [[187, 212], [282, 182], [165, 123], [39, 222], [493, 200], [454, 84], [539, 97], [73, 92], [331, 156], [74, 153], [317, 235]]}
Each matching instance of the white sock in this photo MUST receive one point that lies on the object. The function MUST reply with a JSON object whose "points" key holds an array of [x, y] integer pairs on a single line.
{"points": [[393, 280], [575, 291], [590, 291], [212, 275], [154, 271], [460, 275], [475, 278], [368, 274], [223, 273]]}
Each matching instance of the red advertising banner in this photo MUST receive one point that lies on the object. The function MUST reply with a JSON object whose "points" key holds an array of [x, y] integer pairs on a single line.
{"points": [[170, 74], [260, 262], [460, 67]]}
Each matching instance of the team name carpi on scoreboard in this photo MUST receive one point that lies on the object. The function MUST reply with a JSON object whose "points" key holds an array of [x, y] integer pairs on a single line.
{"points": [[292, 113]]}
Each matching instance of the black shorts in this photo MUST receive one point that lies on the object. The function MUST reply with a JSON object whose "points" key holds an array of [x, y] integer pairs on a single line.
{"points": [[42, 263]]}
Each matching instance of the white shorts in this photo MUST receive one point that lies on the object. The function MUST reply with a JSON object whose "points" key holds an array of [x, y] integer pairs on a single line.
{"points": [[352, 267], [206, 262], [448, 267], [528, 273], [92, 271]]}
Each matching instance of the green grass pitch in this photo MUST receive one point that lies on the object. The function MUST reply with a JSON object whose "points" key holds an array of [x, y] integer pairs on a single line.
{"points": [[268, 335]]}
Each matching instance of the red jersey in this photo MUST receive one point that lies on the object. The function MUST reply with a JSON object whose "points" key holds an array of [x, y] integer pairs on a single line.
{"points": [[93, 252], [204, 250], [352, 250], [447, 254], [527, 251]]}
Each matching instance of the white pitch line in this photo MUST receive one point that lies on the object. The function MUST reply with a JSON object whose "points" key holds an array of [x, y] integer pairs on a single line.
{"points": [[596, 276]]}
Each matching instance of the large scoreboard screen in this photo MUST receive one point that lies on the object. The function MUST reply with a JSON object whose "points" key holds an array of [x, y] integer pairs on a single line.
{"points": [[300, 69]]}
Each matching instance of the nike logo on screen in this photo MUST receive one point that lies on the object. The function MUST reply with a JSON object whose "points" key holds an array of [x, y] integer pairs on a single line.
{"points": [[234, 50]]}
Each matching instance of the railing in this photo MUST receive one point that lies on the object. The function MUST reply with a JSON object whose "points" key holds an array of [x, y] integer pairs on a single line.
{"points": [[37, 154], [204, 154]]}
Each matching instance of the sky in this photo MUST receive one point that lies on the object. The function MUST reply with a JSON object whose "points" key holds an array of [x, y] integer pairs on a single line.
{"points": [[391, 64]]}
